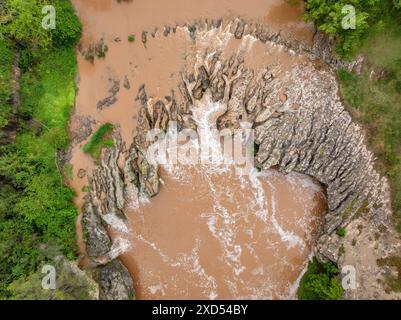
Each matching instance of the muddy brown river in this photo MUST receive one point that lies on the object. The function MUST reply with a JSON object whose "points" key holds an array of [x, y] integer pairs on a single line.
{"points": [[210, 233]]}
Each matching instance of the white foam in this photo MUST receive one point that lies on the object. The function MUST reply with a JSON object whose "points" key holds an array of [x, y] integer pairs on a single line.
{"points": [[286, 236], [118, 247], [115, 222]]}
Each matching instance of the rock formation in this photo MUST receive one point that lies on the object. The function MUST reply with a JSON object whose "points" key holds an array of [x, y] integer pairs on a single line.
{"points": [[300, 124]]}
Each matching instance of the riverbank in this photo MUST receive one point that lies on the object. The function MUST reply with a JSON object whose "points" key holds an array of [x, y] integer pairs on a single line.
{"points": [[37, 214]]}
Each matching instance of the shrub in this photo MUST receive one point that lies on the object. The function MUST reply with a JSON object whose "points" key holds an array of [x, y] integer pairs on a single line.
{"points": [[68, 28], [25, 25], [320, 282], [328, 16], [341, 232]]}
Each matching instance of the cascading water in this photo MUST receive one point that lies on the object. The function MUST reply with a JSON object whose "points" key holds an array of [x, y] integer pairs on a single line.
{"points": [[244, 236], [216, 229]]}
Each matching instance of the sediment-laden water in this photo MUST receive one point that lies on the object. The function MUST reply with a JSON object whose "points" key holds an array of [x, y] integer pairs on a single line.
{"points": [[210, 232]]}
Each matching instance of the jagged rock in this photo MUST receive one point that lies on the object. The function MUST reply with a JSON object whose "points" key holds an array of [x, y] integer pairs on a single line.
{"points": [[202, 83], [115, 282], [240, 29], [96, 238], [81, 127], [166, 31], [144, 38], [112, 98], [126, 83], [97, 50], [304, 129]]}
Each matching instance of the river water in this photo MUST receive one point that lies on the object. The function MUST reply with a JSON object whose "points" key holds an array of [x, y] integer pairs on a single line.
{"points": [[210, 232]]}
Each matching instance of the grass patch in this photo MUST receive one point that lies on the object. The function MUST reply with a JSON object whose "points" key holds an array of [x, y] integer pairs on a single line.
{"points": [[383, 46], [68, 170], [320, 282], [100, 139], [377, 104]]}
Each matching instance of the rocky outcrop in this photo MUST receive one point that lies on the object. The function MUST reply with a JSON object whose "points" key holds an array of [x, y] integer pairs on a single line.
{"points": [[103, 206], [321, 47], [300, 124], [81, 127], [115, 282], [112, 98], [93, 50]]}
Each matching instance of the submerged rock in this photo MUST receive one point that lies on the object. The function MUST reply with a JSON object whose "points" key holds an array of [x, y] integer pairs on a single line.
{"points": [[112, 98]]}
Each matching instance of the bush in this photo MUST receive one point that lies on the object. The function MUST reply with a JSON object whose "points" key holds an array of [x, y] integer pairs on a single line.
{"points": [[70, 285], [320, 282], [68, 28], [341, 232], [328, 16], [24, 25]]}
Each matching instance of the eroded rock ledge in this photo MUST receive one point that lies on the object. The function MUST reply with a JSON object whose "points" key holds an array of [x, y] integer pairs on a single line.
{"points": [[300, 125]]}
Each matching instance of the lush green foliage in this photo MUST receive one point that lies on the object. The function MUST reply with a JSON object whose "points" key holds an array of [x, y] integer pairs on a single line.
{"points": [[320, 282], [36, 207], [6, 62], [22, 23], [328, 16], [99, 140], [35, 204]]}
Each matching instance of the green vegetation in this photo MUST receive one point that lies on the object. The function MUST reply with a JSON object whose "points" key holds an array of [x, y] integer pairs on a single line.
{"points": [[328, 15], [131, 38], [341, 250], [377, 103], [341, 232], [36, 207], [22, 23], [6, 62], [99, 140], [320, 282], [71, 283]]}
